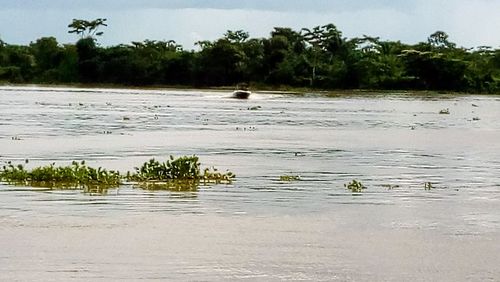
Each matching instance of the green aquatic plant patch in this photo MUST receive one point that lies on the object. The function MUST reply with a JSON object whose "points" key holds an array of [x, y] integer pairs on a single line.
{"points": [[181, 174], [176, 171], [76, 175], [355, 186]]}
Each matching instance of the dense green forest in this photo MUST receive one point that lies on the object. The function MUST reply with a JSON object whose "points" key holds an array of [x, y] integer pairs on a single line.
{"points": [[319, 58]]}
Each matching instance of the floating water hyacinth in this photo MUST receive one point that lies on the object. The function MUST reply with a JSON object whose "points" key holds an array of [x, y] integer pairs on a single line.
{"points": [[355, 186], [76, 175], [183, 173], [182, 168]]}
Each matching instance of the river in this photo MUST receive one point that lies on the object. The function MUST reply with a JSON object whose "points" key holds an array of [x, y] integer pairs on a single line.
{"points": [[259, 227]]}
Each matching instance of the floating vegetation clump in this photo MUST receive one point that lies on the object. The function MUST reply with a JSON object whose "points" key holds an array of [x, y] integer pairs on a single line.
{"points": [[428, 186], [183, 173], [76, 175], [355, 186], [290, 178]]}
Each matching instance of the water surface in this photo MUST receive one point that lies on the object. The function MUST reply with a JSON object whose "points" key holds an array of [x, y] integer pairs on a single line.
{"points": [[258, 228]]}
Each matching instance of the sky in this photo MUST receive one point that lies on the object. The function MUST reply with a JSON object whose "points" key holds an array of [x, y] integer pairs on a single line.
{"points": [[469, 23]]}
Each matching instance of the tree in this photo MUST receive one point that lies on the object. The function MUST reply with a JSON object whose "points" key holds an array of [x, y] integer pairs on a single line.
{"points": [[86, 28], [3, 55], [379, 64], [47, 53], [282, 57], [220, 63], [439, 39], [237, 37], [88, 60], [324, 43]]}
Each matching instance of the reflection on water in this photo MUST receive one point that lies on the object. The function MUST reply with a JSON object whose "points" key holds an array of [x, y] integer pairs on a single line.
{"points": [[312, 229]]}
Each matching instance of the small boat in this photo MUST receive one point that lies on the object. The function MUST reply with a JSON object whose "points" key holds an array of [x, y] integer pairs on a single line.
{"points": [[241, 94]]}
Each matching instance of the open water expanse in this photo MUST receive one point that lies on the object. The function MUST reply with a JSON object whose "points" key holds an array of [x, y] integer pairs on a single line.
{"points": [[258, 228]]}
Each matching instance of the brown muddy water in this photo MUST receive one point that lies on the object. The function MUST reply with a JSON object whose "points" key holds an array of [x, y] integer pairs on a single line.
{"points": [[258, 228]]}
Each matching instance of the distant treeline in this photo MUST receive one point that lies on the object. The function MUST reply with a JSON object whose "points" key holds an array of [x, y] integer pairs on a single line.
{"points": [[318, 58]]}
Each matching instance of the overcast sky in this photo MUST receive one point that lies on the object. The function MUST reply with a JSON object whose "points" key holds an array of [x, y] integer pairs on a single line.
{"points": [[469, 23]]}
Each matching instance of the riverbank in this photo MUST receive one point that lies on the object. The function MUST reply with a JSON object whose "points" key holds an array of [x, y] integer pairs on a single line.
{"points": [[261, 89]]}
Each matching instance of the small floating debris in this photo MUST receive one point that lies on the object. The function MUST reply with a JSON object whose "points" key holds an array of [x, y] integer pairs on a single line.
{"points": [[290, 178], [474, 105], [355, 186], [255, 108], [444, 111], [126, 118], [250, 128], [476, 119], [428, 186], [390, 186], [16, 138]]}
